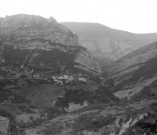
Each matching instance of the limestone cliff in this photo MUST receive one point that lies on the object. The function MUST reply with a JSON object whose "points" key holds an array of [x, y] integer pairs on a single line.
{"points": [[31, 40], [23, 27]]}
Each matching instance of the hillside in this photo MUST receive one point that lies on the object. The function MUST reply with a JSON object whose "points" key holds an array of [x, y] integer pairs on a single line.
{"points": [[134, 72], [108, 43]]}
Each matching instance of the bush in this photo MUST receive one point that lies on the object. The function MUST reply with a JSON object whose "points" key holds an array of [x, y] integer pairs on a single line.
{"points": [[91, 122]]}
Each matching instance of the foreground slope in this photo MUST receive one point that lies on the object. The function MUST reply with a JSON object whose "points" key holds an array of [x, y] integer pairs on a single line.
{"points": [[130, 119]]}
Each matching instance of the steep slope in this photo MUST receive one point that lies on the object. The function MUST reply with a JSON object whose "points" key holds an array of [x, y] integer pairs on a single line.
{"points": [[134, 71], [31, 36], [105, 42], [25, 27]]}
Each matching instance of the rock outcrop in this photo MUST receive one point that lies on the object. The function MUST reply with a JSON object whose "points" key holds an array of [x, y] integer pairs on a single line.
{"points": [[27, 27], [33, 40], [86, 60]]}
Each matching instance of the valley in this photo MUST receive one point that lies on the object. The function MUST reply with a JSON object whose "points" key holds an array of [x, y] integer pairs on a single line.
{"points": [[51, 83]]}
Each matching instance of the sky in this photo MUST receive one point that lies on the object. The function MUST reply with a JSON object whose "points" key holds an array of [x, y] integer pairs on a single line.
{"points": [[138, 16]]}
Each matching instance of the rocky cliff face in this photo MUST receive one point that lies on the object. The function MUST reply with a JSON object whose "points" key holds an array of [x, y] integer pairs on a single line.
{"points": [[25, 38], [107, 43], [27, 27], [86, 60]]}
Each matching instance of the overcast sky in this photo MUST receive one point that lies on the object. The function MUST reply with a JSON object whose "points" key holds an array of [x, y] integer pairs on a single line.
{"points": [[138, 16]]}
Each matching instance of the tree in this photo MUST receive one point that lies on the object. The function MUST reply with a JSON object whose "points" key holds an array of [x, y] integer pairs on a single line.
{"points": [[31, 118]]}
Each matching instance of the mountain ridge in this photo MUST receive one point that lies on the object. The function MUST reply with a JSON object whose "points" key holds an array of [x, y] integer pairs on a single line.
{"points": [[107, 42]]}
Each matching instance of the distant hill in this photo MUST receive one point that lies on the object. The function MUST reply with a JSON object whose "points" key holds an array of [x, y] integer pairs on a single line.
{"points": [[105, 42]]}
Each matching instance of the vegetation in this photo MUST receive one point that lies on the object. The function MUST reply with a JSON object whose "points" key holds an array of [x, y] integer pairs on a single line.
{"points": [[55, 57], [53, 112], [91, 122], [103, 95], [20, 99], [4, 95], [55, 128], [146, 71], [79, 96], [14, 56], [147, 125], [73, 96], [4, 83], [13, 125]]}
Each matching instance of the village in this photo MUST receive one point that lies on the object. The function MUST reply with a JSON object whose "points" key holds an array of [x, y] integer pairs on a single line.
{"points": [[26, 73]]}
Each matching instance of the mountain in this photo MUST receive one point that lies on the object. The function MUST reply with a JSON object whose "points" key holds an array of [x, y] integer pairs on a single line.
{"points": [[30, 36], [108, 43], [44, 73], [24, 27]]}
